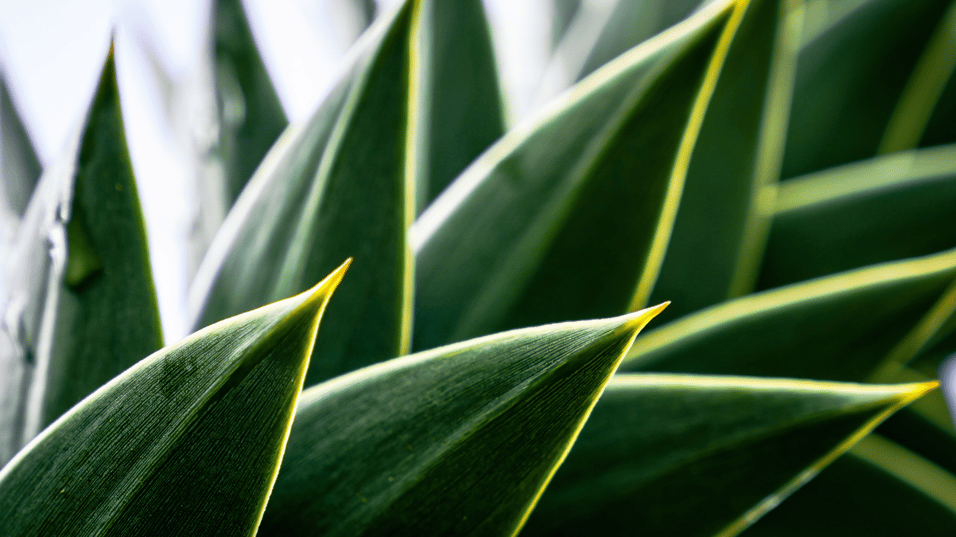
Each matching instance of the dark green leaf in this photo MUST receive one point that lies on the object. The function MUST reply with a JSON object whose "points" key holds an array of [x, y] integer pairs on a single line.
{"points": [[694, 455], [19, 166], [735, 160], [883, 209], [459, 102], [80, 306], [877, 490], [251, 113], [849, 80], [455, 441], [842, 327], [335, 187], [565, 218], [187, 442]]}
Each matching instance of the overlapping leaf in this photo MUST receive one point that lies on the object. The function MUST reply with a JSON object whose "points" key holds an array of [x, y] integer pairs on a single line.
{"points": [[701, 455], [887, 208], [19, 165], [187, 442], [850, 79], [566, 217], [80, 306], [737, 157], [458, 440], [877, 489], [335, 187]]}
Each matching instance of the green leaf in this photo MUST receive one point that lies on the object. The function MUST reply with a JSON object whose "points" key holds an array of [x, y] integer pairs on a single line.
{"points": [[883, 209], [850, 79], [187, 442], [736, 158], [843, 327], [80, 305], [529, 233], [19, 165], [724, 449], [878, 489], [459, 101], [250, 111], [457, 440], [338, 186]]}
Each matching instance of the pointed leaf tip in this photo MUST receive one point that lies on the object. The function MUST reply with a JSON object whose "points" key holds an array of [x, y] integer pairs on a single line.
{"points": [[638, 320], [318, 296]]}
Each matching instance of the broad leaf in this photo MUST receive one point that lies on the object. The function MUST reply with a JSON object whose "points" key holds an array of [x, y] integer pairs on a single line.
{"points": [[335, 187], [887, 208], [737, 157], [861, 316], [19, 166], [566, 217], [250, 112], [457, 440], [80, 307], [704, 455], [878, 489], [458, 97], [187, 442], [850, 79]]}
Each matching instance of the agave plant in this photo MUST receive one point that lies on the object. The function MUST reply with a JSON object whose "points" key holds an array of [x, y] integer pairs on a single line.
{"points": [[777, 170]]}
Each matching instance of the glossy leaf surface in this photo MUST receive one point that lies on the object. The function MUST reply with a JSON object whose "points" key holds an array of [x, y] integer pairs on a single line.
{"points": [[457, 440], [334, 187], [528, 233], [726, 449], [186, 442], [80, 307]]}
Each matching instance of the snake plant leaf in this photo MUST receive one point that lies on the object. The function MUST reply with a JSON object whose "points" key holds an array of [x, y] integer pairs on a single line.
{"points": [[80, 307], [459, 104], [850, 79], [19, 165], [736, 158], [524, 236], [777, 333], [457, 440], [186, 442], [877, 489], [251, 114], [726, 449], [882, 209], [334, 187]]}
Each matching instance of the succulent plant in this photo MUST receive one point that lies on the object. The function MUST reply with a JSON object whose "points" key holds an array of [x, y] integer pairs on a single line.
{"points": [[781, 172]]}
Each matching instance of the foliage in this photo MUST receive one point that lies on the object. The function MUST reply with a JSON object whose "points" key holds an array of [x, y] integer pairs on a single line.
{"points": [[782, 171]]}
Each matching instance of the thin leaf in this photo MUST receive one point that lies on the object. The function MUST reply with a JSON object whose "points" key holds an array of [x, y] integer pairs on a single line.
{"points": [[565, 218], [251, 113], [459, 103], [459, 440], [726, 449], [861, 316], [335, 187], [883, 209], [19, 165], [736, 158], [187, 442], [849, 80], [81, 306], [878, 489]]}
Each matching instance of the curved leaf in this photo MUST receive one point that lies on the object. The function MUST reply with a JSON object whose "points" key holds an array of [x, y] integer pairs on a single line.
{"points": [[841, 327], [877, 489], [81, 306], [849, 80], [335, 187], [737, 156], [524, 236], [459, 104], [186, 442], [458, 440], [726, 449], [887, 208]]}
